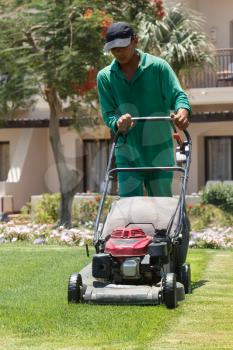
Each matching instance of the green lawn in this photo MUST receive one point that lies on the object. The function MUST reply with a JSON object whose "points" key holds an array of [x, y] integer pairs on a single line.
{"points": [[206, 322], [34, 313]]}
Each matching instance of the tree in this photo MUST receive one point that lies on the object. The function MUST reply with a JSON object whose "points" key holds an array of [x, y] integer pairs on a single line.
{"points": [[179, 39], [54, 48], [51, 50]]}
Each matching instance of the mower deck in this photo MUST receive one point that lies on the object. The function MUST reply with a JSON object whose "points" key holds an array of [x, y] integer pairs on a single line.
{"points": [[108, 293]]}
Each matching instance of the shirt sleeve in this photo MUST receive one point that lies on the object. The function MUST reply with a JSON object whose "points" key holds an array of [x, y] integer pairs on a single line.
{"points": [[174, 96], [107, 102]]}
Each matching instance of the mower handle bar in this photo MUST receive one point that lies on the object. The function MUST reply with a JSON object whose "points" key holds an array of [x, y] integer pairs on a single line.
{"points": [[146, 169], [144, 119], [156, 119], [109, 171]]}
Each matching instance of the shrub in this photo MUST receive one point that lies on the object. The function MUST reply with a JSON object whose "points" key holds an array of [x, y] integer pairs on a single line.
{"points": [[46, 210], [24, 216], [203, 215], [220, 195], [88, 208]]}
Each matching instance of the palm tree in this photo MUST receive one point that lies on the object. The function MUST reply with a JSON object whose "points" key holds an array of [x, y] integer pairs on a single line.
{"points": [[179, 39]]}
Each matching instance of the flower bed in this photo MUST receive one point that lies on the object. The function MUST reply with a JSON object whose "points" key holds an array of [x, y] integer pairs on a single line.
{"points": [[44, 234], [211, 226], [212, 238], [49, 234]]}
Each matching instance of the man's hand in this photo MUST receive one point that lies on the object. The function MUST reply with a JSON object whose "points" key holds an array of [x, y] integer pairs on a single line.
{"points": [[124, 123], [181, 118]]}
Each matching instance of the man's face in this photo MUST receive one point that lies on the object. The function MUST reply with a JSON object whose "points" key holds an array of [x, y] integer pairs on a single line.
{"points": [[124, 54]]}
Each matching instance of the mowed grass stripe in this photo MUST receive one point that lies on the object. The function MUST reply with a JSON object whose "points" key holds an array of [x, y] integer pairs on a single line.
{"points": [[206, 321]]}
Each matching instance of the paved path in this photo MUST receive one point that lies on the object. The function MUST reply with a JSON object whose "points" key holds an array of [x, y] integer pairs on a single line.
{"points": [[206, 318]]}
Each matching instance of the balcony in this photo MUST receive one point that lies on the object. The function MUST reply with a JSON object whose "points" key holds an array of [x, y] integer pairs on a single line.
{"points": [[221, 75]]}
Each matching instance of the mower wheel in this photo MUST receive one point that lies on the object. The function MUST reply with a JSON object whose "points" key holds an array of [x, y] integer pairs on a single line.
{"points": [[185, 278], [169, 290], [75, 287]]}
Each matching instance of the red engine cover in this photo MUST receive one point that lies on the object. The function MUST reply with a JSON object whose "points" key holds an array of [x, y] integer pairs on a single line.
{"points": [[127, 242]]}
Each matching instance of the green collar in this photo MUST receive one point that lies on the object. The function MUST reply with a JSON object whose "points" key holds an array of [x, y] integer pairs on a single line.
{"points": [[145, 62]]}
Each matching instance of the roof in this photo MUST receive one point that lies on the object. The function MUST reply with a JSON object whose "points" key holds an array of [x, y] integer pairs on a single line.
{"points": [[206, 117], [200, 117], [33, 123]]}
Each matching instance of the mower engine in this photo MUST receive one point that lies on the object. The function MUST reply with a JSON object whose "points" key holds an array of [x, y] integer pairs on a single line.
{"points": [[131, 255]]}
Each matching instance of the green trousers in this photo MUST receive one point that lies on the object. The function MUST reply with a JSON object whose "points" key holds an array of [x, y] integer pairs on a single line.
{"points": [[154, 184]]}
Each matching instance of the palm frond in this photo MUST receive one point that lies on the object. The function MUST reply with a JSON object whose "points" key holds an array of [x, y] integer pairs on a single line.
{"points": [[179, 38]]}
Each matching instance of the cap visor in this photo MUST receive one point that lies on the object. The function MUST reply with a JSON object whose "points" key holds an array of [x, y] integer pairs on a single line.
{"points": [[117, 43]]}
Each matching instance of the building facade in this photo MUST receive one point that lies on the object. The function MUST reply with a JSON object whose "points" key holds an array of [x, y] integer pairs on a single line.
{"points": [[27, 165]]}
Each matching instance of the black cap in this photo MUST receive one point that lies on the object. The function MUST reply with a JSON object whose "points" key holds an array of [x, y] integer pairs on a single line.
{"points": [[119, 34]]}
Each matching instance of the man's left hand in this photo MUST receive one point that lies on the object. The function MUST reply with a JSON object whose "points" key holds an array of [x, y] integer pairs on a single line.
{"points": [[181, 118]]}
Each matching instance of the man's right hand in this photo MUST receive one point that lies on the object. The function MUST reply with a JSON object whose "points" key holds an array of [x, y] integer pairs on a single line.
{"points": [[124, 123]]}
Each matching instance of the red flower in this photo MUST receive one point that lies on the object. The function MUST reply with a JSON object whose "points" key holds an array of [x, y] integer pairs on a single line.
{"points": [[88, 13], [89, 83], [97, 198], [160, 14], [106, 22], [159, 10]]}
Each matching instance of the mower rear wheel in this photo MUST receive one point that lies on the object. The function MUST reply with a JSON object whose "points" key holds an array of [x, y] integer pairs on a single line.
{"points": [[75, 287], [185, 278], [169, 290]]}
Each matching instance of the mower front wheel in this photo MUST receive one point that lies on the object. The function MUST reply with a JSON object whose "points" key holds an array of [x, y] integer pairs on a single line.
{"points": [[75, 287], [169, 291]]}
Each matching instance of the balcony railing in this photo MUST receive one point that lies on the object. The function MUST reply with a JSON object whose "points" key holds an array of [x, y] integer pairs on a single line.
{"points": [[218, 76]]}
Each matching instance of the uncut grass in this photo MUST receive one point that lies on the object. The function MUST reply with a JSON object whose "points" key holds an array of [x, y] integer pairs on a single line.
{"points": [[33, 304]]}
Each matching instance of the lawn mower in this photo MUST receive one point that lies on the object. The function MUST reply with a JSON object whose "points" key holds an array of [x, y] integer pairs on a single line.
{"points": [[142, 244]]}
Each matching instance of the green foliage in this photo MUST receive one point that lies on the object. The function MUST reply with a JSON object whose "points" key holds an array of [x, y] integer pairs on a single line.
{"points": [[179, 38], [20, 86], [57, 43], [46, 210], [128, 11], [203, 215], [53, 45], [87, 210], [206, 244], [220, 195], [25, 214]]}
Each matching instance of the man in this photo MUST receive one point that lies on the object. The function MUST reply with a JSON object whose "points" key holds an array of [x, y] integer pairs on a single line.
{"points": [[137, 84]]}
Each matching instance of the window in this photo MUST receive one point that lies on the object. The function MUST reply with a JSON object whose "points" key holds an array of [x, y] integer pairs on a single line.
{"points": [[4, 160], [96, 153], [219, 158]]}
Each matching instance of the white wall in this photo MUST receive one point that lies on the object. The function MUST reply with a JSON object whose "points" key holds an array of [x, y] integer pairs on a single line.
{"points": [[218, 15], [29, 156]]}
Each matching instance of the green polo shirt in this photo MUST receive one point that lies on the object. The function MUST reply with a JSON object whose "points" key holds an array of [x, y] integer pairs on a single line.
{"points": [[154, 90]]}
